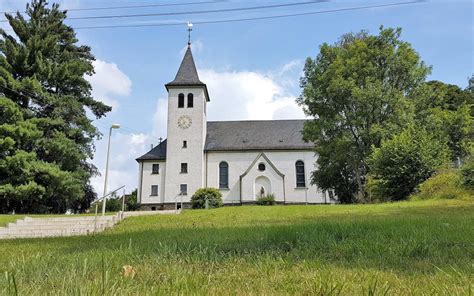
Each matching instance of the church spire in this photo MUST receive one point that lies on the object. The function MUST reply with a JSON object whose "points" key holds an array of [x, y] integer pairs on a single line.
{"points": [[187, 75]]}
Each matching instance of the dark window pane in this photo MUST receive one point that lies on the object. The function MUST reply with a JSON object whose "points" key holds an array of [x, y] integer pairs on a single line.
{"points": [[261, 167], [183, 188], [154, 190], [300, 176], [223, 175], [185, 144], [190, 100], [184, 168], [181, 101], [155, 168]]}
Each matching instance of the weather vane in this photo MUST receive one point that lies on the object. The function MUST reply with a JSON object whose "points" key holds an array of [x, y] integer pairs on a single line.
{"points": [[190, 28]]}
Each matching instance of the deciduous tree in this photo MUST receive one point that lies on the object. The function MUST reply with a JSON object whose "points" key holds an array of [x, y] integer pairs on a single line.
{"points": [[357, 92]]}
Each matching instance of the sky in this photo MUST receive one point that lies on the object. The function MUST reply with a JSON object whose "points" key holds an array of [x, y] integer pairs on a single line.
{"points": [[251, 68]]}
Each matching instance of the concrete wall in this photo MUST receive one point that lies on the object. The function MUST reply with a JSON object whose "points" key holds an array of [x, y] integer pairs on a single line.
{"points": [[193, 155], [146, 179], [284, 162]]}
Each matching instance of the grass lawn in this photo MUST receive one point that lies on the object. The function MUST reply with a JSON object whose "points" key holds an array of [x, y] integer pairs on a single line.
{"points": [[408, 248]]}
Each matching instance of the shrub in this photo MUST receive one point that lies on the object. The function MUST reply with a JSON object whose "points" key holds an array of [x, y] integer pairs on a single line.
{"points": [[131, 201], [467, 171], [403, 162], [113, 205], [446, 184], [212, 195], [267, 200]]}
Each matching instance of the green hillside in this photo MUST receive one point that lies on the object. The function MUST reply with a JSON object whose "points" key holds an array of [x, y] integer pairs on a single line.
{"points": [[424, 247]]}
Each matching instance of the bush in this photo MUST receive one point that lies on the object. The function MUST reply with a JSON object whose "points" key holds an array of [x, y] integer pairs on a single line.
{"points": [[467, 171], [212, 195], [403, 162], [267, 200], [112, 205], [131, 203], [446, 184]]}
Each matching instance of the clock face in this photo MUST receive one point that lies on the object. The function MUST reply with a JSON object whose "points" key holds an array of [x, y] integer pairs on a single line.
{"points": [[184, 121]]}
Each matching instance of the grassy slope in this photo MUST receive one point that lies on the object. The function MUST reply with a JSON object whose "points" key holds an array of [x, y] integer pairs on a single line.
{"points": [[5, 219], [406, 248]]}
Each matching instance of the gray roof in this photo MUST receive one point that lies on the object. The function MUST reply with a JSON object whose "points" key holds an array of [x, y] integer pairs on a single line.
{"points": [[246, 135], [187, 74], [157, 153], [256, 135]]}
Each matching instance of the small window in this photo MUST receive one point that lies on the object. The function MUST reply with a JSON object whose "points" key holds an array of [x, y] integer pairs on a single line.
{"points": [[154, 190], [155, 168], [223, 175], [185, 144], [184, 168], [181, 101], [300, 176], [190, 100], [261, 167], [183, 189], [153, 208]]}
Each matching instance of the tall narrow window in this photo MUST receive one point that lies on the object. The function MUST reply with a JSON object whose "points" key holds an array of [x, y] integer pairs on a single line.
{"points": [[155, 168], [185, 144], [181, 101], [190, 100], [223, 175], [300, 177], [183, 188], [184, 168], [154, 190]]}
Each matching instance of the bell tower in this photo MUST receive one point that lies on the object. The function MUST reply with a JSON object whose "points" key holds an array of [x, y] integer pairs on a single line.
{"points": [[187, 100]]}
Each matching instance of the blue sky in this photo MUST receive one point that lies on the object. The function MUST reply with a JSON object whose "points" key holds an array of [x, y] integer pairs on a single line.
{"points": [[251, 68]]}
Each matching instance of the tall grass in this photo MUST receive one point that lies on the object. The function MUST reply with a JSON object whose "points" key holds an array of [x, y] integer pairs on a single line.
{"points": [[424, 247]]}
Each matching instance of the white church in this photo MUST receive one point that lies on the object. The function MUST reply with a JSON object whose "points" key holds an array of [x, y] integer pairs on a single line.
{"points": [[243, 159]]}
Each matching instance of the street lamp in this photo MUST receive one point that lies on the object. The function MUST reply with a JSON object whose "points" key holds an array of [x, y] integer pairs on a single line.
{"points": [[113, 126]]}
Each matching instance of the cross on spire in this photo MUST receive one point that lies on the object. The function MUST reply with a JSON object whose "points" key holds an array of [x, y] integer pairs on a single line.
{"points": [[190, 28]]}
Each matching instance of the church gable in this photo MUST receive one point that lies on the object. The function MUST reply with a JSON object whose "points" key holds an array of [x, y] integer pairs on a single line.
{"points": [[265, 161], [260, 179]]}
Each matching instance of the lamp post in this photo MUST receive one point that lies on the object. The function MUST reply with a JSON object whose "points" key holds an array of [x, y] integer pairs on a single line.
{"points": [[113, 126]]}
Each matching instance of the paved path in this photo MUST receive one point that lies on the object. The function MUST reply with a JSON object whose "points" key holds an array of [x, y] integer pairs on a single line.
{"points": [[68, 226]]}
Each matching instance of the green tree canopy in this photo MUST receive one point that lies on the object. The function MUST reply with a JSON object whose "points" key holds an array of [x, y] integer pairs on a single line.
{"points": [[446, 110], [46, 100], [357, 92]]}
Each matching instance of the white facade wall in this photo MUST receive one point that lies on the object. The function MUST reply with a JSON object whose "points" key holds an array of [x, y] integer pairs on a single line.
{"points": [[193, 155], [284, 162], [146, 179]]}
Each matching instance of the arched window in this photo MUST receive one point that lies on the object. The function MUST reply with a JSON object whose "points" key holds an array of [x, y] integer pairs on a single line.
{"points": [[223, 175], [181, 101], [190, 100], [300, 176]]}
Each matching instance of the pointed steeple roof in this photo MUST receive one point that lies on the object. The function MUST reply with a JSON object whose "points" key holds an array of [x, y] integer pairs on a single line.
{"points": [[187, 74]]}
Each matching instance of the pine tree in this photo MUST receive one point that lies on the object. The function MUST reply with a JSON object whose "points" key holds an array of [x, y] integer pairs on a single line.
{"points": [[42, 72]]}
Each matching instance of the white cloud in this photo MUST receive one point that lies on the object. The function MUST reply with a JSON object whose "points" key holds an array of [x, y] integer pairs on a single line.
{"points": [[160, 118], [252, 95], [109, 81], [123, 168]]}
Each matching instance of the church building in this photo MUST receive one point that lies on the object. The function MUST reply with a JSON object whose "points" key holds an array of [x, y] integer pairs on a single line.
{"points": [[243, 159]]}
